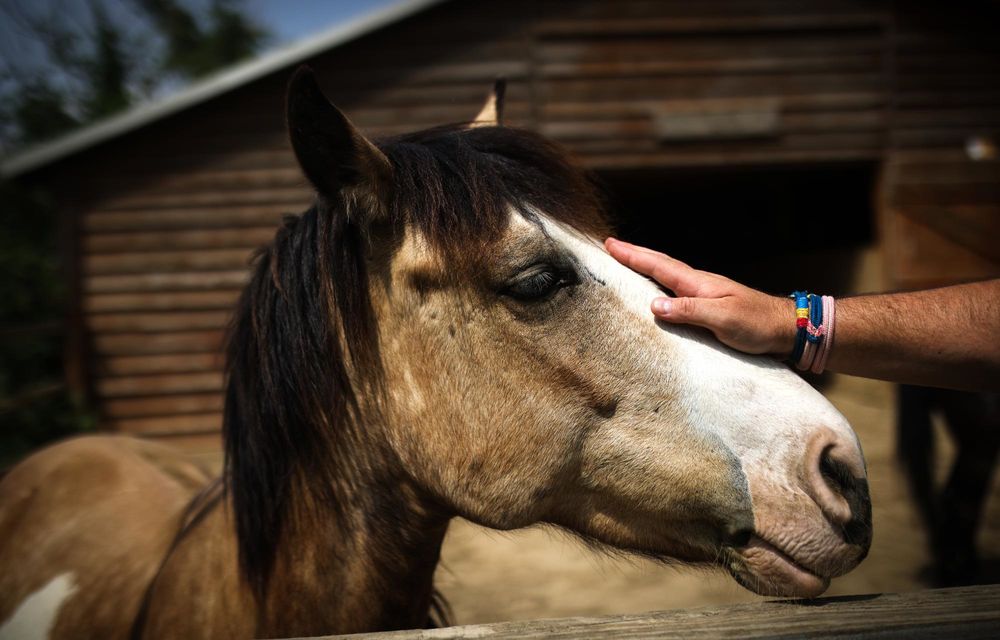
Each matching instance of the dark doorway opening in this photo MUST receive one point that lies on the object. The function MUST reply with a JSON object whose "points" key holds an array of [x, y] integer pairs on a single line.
{"points": [[775, 228]]}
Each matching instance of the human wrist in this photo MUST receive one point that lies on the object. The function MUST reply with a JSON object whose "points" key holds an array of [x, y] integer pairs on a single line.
{"points": [[783, 329]]}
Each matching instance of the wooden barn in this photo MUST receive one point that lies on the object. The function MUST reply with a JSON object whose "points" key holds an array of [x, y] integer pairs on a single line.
{"points": [[724, 131]]}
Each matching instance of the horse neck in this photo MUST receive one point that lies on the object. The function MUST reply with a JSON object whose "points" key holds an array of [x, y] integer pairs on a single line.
{"points": [[364, 563]]}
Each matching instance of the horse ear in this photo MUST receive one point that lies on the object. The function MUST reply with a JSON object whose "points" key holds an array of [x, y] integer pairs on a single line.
{"points": [[333, 154], [491, 115]]}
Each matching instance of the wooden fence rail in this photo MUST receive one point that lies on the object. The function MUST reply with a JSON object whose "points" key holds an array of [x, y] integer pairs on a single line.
{"points": [[963, 612]]}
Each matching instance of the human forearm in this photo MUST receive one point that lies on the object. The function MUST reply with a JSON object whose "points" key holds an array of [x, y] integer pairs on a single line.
{"points": [[947, 337]]}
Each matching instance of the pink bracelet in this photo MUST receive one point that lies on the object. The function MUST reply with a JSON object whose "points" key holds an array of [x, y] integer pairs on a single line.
{"points": [[829, 318], [809, 354], [813, 343]]}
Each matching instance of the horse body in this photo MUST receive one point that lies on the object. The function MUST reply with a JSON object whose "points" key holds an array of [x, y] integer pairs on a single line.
{"points": [[108, 560], [97, 514], [442, 335]]}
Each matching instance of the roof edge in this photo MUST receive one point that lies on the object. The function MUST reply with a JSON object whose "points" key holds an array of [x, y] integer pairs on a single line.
{"points": [[216, 84]]}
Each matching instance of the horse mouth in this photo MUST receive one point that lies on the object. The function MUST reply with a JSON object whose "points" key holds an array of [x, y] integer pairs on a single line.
{"points": [[763, 568]]}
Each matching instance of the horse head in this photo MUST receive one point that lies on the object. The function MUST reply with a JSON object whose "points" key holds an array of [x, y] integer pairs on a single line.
{"points": [[445, 324]]}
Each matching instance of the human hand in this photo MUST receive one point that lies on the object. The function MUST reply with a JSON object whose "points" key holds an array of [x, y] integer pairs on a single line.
{"points": [[741, 317]]}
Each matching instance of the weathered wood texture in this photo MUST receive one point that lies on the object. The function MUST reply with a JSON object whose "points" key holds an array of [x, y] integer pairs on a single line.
{"points": [[965, 612], [940, 205], [168, 217]]}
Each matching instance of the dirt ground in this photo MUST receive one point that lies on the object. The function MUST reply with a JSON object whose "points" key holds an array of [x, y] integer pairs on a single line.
{"points": [[489, 576]]}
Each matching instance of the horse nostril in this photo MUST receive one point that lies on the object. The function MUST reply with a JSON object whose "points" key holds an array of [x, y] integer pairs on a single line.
{"points": [[834, 476], [854, 491], [737, 536], [828, 489]]}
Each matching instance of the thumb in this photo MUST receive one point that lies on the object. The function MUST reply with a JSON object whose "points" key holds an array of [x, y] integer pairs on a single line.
{"points": [[697, 311]]}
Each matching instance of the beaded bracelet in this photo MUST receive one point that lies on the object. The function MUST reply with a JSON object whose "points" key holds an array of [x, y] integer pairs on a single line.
{"points": [[813, 321], [814, 333], [801, 321]]}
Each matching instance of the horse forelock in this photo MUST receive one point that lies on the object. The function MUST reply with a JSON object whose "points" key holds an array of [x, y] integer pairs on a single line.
{"points": [[303, 346], [456, 185]]}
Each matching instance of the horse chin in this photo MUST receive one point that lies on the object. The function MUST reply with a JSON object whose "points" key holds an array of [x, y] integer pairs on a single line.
{"points": [[764, 569]]}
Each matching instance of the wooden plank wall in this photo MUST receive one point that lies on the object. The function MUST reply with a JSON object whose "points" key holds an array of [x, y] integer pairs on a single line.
{"points": [[170, 215], [607, 73], [940, 206]]}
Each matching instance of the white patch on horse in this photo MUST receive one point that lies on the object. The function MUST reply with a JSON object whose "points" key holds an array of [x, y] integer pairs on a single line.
{"points": [[37, 614], [757, 407]]}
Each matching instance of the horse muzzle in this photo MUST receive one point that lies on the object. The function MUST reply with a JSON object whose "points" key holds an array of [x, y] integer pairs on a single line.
{"points": [[805, 534]]}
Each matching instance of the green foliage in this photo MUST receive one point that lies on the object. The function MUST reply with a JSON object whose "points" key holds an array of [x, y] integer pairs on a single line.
{"points": [[94, 71], [193, 50], [104, 67], [107, 68], [35, 406], [233, 38], [40, 112], [31, 289]]}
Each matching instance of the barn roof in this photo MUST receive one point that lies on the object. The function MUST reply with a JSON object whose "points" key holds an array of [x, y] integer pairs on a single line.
{"points": [[216, 84]]}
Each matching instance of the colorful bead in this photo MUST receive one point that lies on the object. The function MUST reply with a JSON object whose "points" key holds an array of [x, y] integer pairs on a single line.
{"points": [[801, 322]]}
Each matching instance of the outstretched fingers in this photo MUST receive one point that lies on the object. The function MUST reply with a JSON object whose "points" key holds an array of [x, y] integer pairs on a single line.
{"points": [[703, 312], [671, 273], [739, 316]]}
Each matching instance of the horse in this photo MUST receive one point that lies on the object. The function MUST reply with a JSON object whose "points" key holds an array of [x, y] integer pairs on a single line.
{"points": [[441, 334], [951, 513]]}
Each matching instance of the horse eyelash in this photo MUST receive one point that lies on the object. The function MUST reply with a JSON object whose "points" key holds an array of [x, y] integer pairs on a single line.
{"points": [[555, 279]]}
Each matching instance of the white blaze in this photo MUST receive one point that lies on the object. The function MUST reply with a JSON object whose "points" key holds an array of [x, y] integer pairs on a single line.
{"points": [[759, 408], [36, 616]]}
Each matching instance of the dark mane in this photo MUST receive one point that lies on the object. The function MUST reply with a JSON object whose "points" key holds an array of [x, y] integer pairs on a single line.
{"points": [[305, 320]]}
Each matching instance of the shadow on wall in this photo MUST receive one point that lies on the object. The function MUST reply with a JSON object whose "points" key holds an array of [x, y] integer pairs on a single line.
{"points": [[773, 228]]}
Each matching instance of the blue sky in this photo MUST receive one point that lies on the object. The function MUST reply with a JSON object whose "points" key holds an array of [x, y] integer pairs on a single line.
{"points": [[23, 57], [289, 20], [285, 20]]}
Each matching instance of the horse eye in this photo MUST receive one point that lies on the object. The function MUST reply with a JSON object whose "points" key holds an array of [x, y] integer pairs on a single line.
{"points": [[536, 284]]}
